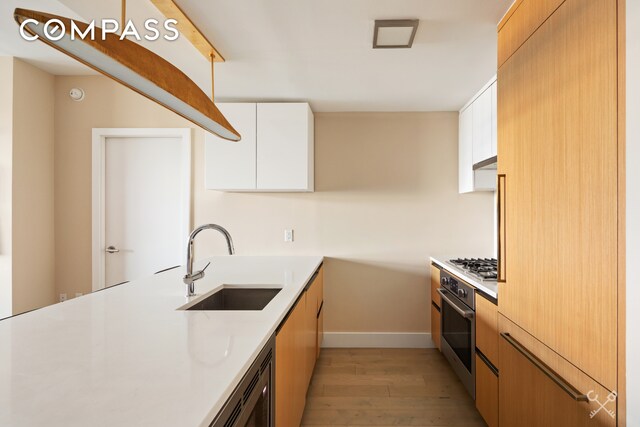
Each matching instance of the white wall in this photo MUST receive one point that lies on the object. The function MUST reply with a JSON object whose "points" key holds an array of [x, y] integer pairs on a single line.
{"points": [[27, 279], [633, 210], [32, 198], [6, 145]]}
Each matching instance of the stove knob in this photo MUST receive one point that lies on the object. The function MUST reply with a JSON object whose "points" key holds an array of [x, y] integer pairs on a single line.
{"points": [[462, 293], [445, 281]]}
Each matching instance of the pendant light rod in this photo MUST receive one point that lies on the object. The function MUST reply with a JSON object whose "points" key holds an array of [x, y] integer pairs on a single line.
{"points": [[212, 58], [124, 15], [188, 29]]}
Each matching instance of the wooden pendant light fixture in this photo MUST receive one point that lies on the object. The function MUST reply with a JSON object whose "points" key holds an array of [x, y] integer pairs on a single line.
{"points": [[136, 67]]}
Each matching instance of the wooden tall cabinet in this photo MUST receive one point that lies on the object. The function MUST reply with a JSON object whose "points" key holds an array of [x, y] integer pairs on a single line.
{"points": [[557, 115], [558, 192]]}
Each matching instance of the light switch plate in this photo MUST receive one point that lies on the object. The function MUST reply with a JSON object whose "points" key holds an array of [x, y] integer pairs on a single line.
{"points": [[288, 235]]}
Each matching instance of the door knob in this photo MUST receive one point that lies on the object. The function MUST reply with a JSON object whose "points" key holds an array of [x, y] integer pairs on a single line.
{"points": [[112, 250]]}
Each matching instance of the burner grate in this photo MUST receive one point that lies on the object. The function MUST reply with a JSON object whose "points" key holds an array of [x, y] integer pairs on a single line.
{"points": [[483, 268]]}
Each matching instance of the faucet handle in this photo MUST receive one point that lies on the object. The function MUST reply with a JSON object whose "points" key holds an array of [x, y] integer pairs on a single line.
{"points": [[205, 267], [200, 273]]}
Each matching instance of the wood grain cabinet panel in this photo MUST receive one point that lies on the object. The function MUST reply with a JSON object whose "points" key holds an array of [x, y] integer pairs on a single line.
{"points": [[320, 331], [313, 301], [297, 348], [557, 144], [521, 21], [435, 306], [290, 387], [435, 284], [320, 315], [486, 393], [537, 387], [487, 328], [528, 398], [435, 326]]}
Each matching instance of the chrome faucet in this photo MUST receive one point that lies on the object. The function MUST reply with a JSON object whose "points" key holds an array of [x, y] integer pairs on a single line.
{"points": [[191, 277]]}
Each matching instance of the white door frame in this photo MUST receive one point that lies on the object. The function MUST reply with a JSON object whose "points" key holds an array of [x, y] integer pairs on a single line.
{"points": [[98, 150]]}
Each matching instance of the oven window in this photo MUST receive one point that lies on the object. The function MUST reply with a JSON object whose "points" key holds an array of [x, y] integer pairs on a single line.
{"points": [[457, 331]]}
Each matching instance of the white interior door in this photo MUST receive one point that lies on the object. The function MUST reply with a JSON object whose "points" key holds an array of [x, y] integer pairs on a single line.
{"points": [[146, 205]]}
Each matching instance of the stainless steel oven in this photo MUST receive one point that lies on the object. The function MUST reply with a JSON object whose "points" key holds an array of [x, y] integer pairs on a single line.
{"points": [[458, 328], [252, 402]]}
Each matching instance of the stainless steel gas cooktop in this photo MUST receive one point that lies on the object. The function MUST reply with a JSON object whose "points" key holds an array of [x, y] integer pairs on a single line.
{"points": [[484, 269]]}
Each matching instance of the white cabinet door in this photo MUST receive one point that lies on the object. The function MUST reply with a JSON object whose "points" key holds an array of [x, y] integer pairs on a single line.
{"points": [[482, 127], [465, 151], [285, 147], [494, 119], [232, 165]]}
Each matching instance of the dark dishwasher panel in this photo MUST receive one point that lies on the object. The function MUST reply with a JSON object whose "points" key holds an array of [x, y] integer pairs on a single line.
{"points": [[252, 403]]}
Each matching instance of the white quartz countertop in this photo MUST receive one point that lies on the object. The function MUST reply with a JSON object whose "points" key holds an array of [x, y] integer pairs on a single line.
{"points": [[126, 357], [488, 287]]}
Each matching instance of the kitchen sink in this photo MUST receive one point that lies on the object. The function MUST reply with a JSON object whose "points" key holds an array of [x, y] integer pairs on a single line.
{"points": [[237, 298]]}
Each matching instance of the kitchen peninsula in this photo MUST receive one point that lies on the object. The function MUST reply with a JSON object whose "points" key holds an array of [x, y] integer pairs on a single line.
{"points": [[128, 355]]}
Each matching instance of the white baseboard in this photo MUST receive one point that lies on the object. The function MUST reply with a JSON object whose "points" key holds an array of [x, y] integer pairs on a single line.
{"points": [[377, 340]]}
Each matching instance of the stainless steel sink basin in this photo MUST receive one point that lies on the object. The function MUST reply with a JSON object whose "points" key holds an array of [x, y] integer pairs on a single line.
{"points": [[237, 299]]}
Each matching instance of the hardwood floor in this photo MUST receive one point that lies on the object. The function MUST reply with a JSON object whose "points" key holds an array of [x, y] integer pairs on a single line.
{"points": [[387, 387]]}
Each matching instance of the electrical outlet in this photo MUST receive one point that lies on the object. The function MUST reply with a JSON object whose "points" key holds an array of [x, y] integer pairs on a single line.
{"points": [[288, 235], [63, 297], [78, 294]]}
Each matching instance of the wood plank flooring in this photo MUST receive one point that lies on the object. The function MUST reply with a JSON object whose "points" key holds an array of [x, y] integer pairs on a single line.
{"points": [[387, 387]]}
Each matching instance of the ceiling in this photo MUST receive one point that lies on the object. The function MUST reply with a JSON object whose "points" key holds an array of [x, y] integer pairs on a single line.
{"points": [[308, 50]]}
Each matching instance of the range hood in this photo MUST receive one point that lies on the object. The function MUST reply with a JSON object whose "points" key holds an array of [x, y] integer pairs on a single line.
{"points": [[488, 164]]}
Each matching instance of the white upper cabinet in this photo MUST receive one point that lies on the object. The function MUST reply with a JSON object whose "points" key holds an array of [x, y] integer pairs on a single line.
{"points": [[465, 151], [482, 126], [274, 154], [477, 141], [494, 119], [285, 147], [232, 165]]}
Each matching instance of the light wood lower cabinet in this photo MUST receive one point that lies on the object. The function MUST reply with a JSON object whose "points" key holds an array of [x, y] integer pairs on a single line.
{"points": [[487, 328], [435, 325], [486, 392], [487, 356], [528, 397], [435, 284], [297, 348], [435, 306], [537, 387], [291, 384], [320, 330], [311, 326]]}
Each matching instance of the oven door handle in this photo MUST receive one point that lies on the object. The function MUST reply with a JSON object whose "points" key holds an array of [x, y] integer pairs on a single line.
{"points": [[467, 314]]}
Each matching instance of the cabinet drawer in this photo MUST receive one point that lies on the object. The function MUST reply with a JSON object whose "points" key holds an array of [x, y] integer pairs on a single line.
{"points": [[537, 387], [486, 392], [487, 328]]}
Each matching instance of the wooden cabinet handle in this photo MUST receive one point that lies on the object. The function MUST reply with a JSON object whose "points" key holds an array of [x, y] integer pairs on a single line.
{"points": [[502, 251], [561, 382]]}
